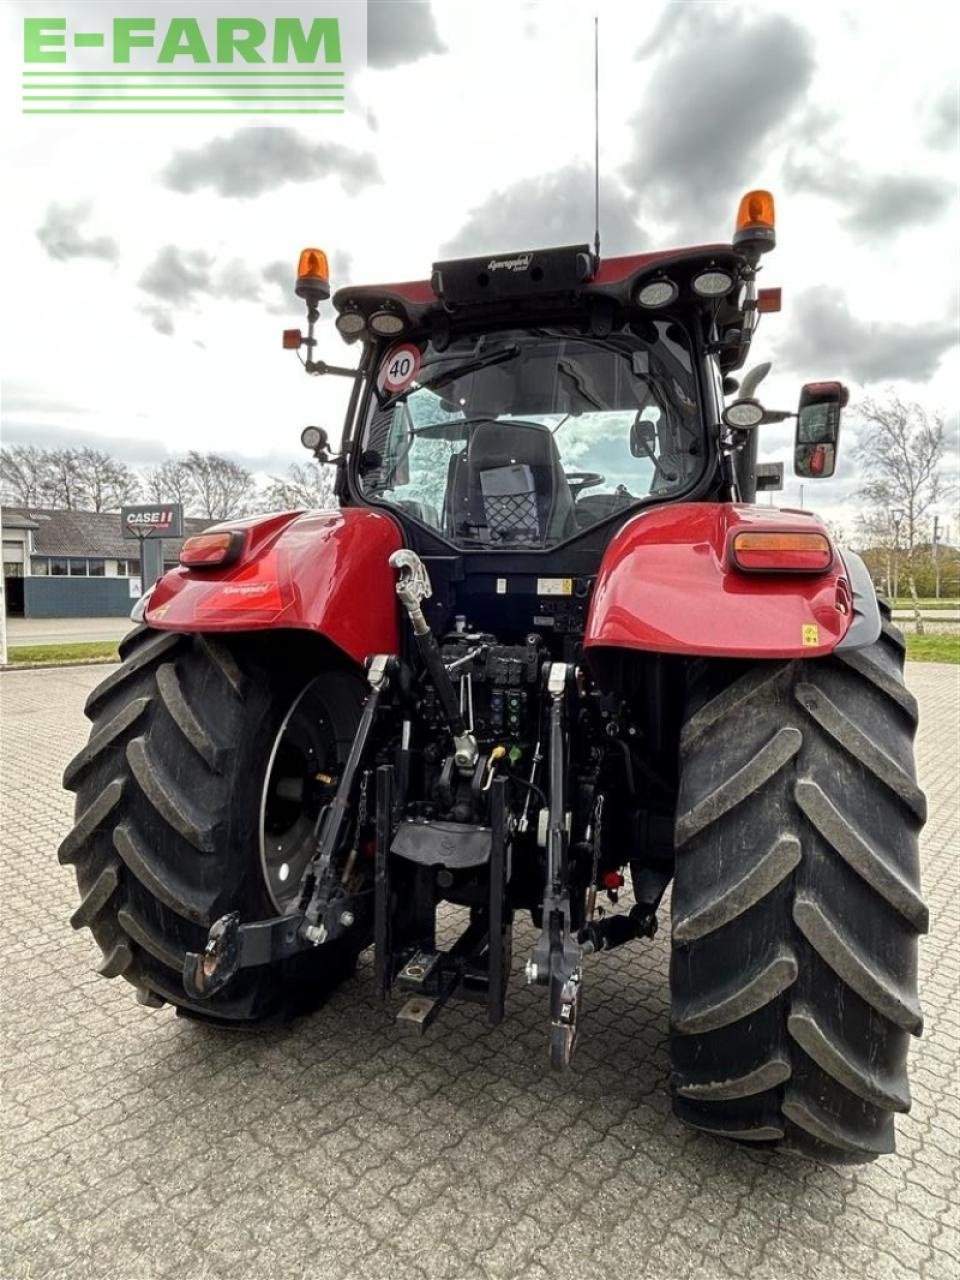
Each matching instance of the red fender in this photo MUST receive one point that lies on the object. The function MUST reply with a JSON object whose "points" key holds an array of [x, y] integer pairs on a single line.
{"points": [[323, 571], [667, 584]]}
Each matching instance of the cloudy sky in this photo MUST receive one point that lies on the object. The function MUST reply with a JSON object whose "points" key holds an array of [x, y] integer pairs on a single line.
{"points": [[148, 262]]}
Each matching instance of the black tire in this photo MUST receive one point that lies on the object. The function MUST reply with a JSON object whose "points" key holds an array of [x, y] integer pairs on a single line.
{"points": [[167, 830], [796, 903]]}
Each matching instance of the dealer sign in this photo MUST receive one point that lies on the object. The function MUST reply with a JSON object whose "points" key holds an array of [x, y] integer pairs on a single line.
{"points": [[159, 520]]}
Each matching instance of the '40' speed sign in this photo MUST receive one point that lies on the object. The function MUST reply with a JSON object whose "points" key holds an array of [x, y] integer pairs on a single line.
{"points": [[399, 367]]}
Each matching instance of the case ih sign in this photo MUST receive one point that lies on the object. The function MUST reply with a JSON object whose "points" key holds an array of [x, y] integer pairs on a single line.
{"points": [[164, 521]]}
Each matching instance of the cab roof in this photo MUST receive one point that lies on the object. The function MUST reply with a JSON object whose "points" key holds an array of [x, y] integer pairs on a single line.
{"points": [[526, 283]]}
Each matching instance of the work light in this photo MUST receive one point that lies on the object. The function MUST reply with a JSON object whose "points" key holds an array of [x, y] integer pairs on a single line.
{"points": [[656, 293], [712, 284], [351, 324], [385, 324]]}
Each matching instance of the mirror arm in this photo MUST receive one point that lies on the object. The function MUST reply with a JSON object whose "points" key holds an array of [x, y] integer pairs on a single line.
{"points": [[320, 367], [776, 415]]}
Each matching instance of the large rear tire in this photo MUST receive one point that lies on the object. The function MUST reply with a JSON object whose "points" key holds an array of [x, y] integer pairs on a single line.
{"points": [[169, 831], [796, 903]]}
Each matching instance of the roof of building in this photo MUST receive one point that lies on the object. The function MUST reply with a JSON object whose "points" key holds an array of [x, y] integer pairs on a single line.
{"points": [[85, 533], [14, 518]]}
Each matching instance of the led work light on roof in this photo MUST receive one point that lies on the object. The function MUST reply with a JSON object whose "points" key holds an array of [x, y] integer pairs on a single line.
{"points": [[386, 324], [350, 324], [656, 293], [712, 284]]}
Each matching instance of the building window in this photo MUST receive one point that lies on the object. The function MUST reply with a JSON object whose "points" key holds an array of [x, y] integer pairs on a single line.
{"points": [[78, 568], [128, 568], [39, 566], [59, 566], [11, 569], [95, 568]]}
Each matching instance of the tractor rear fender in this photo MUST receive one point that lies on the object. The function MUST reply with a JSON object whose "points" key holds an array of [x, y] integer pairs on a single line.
{"points": [[668, 584], [320, 571]]}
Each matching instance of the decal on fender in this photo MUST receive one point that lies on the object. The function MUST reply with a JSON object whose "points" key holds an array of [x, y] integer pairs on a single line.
{"points": [[810, 635]]}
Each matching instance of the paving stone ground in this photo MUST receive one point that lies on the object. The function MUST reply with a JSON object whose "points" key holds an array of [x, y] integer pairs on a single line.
{"points": [[138, 1146]]}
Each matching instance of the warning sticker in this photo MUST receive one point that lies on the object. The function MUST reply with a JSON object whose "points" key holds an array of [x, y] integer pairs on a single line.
{"points": [[398, 369], [810, 633], [554, 586]]}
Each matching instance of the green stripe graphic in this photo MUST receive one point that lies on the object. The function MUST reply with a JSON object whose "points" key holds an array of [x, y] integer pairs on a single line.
{"points": [[184, 111], [183, 73], [183, 97]]}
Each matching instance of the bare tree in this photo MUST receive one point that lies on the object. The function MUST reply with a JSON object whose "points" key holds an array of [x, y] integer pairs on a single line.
{"points": [[170, 481], [899, 452], [222, 488], [105, 483], [26, 476], [66, 483], [308, 485]]}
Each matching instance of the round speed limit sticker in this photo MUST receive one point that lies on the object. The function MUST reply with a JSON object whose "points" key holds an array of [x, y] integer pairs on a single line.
{"points": [[400, 366]]}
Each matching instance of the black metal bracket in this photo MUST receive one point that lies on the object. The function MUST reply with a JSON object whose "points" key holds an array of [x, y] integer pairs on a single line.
{"points": [[555, 961], [325, 910], [232, 946], [321, 890], [477, 966]]}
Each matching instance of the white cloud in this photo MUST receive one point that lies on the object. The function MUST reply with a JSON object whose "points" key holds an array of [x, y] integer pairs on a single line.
{"points": [[507, 108]]}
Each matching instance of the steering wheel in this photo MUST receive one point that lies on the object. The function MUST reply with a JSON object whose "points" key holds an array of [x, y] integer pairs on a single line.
{"points": [[580, 480]]}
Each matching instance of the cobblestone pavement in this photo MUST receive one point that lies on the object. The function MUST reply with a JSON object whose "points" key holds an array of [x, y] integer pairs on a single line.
{"points": [[137, 1145]]}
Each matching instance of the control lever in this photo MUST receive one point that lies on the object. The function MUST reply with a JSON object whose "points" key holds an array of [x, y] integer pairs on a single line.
{"points": [[413, 586]]}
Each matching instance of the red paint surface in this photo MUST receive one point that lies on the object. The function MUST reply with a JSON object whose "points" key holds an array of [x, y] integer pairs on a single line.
{"points": [[666, 584], [321, 571]]}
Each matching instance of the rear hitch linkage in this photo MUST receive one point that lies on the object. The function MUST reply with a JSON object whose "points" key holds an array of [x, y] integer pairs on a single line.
{"points": [[556, 958], [477, 965], [325, 910]]}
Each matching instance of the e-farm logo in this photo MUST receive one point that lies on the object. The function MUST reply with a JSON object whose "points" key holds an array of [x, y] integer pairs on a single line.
{"points": [[210, 65]]}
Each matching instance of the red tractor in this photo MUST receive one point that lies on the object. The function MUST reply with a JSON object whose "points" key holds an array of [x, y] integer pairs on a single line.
{"points": [[547, 639]]}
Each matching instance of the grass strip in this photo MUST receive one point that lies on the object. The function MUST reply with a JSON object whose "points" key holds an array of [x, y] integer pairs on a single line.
{"points": [[939, 648], [54, 653]]}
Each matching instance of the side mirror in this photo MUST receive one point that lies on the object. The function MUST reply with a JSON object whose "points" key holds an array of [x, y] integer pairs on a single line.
{"points": [[818, 429], [643, 438]]}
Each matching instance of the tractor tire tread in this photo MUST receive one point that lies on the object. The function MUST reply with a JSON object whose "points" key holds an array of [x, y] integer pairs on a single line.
{"points": [[796, 902]]}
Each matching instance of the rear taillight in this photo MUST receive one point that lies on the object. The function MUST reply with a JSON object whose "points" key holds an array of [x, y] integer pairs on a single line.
{"points": [[781, 552], [212, 550]]}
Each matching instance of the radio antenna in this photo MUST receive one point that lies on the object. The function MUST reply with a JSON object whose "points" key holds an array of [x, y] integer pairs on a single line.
{"points": [[596, 135]]}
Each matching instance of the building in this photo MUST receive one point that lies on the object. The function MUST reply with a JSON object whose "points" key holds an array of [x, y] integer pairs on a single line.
{"points": [[73, 564]]}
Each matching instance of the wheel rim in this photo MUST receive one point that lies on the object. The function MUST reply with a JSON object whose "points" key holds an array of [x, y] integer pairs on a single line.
{"points": [[293, 795]]}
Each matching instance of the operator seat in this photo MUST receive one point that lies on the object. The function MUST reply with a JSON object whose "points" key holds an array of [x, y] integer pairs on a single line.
{"points": [[508, 487]]}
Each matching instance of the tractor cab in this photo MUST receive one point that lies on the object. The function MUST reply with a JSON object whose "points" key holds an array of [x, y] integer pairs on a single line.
{"points": [[523, 438], [525, 403], [513, 411]]}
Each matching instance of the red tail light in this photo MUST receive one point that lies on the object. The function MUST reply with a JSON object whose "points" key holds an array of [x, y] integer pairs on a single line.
{"points": [[212, 550], [782, 552]]}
